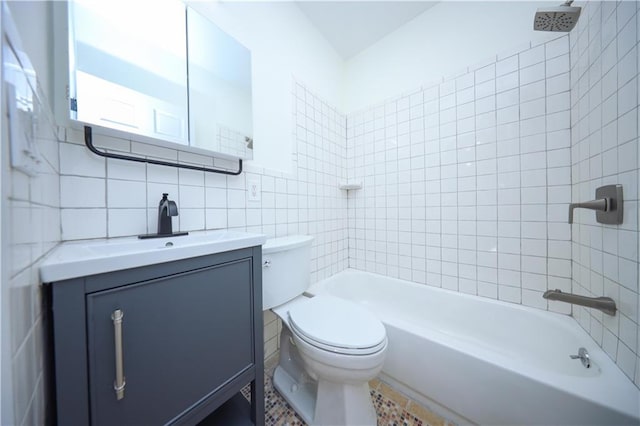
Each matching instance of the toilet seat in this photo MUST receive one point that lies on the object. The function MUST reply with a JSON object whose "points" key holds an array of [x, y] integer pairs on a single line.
{"points": [[345, 327]]}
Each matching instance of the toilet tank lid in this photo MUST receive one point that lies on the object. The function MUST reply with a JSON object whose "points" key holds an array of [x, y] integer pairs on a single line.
{"points": [[286, 243]]}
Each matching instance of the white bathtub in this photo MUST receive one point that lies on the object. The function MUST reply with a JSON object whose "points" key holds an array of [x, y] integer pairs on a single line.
{"points": [[489, 362]]}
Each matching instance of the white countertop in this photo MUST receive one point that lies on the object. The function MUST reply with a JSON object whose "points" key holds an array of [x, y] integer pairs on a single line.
{"points": [[83, 258]]}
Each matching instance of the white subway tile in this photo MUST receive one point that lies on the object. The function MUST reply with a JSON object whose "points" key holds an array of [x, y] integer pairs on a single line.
{"points": [[628, 97], [557, 47], [533, 126], [532, 56], [536, 72], [487, 289], [190, 177], [125, 222], [126, 194], [509, 294], [557, 65], [486, 104], [628, 274], [558, 84], [535, 90], [627, 67], [191, 197], [508, 115], [533, 108], [558, 102], [82, 192], [559, 267], [507, 82], [626, 360], [162, 174], [216, 198], [535, 195], [192, 219], [627, 37], [126, 170], [79, 161], [78, 224], [628, 126], [507, 65], [628, 156], [558, 121], [216, 180], [507, 98], [465, 96], [216, 218]]}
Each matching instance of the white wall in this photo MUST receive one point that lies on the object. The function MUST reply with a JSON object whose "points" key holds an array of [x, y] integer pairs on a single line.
{"points": [[446, 39], [33, 18], [31, 228], [283, 44], [467, 183], [604, 150]]}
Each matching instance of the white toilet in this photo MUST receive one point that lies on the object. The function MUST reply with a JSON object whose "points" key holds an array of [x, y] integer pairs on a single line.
{"points": [[329, 347]]}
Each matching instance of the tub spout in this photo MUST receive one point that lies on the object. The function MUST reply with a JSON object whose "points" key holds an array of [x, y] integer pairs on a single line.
{"points": [[604, 304]]}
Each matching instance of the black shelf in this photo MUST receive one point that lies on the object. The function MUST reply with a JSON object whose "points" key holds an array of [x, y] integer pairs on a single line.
{"points": [[235, 412]]}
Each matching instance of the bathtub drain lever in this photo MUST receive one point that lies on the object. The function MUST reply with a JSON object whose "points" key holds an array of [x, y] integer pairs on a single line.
{"points": [[583, 356]]}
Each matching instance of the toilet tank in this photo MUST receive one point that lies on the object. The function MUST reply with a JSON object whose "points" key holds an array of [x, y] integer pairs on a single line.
{"points": [[286, 269]]}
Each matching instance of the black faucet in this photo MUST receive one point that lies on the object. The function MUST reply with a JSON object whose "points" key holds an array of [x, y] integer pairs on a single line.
{"points": [[166, 210]]}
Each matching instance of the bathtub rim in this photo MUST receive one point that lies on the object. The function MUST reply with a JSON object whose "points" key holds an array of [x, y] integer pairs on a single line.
{"points": [[611, 373]]}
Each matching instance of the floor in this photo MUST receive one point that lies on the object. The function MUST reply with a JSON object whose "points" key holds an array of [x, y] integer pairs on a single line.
{"points": [[392, 407]]}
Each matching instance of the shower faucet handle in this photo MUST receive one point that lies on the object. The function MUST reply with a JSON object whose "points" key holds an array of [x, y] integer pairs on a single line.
{"points": [[608, 205]]}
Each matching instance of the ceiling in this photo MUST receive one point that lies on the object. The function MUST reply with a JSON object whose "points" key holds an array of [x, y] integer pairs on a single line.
{"points": [[352, 26]]}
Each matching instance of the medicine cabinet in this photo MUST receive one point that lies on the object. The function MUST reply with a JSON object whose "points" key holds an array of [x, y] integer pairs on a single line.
{"points": [[155, 72]]}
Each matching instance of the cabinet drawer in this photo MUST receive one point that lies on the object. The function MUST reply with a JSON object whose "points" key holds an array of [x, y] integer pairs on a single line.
{"points": [[183, 336]]}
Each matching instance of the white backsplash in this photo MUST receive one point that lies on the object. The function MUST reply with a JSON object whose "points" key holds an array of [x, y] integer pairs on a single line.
{"points": [[105, 198]]}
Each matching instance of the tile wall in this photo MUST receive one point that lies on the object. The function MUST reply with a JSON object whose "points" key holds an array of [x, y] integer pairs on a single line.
{"points": [[31, 228], [604, 150], [466, 183], [113, 198]]}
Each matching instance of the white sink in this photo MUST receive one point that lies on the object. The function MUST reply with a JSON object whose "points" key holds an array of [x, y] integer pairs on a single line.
{"points": [[79, 259], [116, 247]]}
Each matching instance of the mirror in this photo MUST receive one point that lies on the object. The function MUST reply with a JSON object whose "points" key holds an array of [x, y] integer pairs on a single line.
{"points": [[171, 76], [127, 70], [220, 116]]}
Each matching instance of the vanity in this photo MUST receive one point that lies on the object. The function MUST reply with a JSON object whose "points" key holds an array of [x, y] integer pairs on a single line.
{"points": [[163, 331]]}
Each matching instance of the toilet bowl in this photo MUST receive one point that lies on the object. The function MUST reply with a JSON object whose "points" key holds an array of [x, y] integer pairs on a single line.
{"points": [[329, 347]]}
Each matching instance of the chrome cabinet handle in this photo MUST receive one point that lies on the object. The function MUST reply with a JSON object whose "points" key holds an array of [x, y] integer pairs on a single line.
{"points": [[119, 383]]}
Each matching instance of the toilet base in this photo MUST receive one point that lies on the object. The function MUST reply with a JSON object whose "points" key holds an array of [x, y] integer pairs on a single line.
{"points": [[325, 403], [300, 396], [320, 402], [344, 404]]}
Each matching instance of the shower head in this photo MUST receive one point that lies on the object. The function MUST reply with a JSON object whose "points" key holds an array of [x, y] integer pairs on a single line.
{"points": [[561, 18]]}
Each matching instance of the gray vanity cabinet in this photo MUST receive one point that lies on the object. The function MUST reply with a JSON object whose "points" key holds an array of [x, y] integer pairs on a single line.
{"points": [[190, 339]]}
